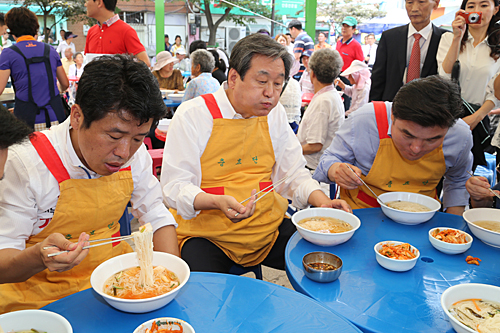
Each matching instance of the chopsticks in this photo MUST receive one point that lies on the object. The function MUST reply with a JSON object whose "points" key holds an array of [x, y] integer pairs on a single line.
{"points": [[498, 196], [110, 240]]}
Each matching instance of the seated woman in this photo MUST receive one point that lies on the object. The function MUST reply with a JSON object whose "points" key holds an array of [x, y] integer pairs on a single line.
{"points": [[75, 70], [202, 65], [480, 195], [219, 71], [325, 113], [38, 102], [358, 75], [164, 72]]}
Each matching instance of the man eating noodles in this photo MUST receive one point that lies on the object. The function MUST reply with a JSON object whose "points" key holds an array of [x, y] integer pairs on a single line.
{"points": [[220, 148], [405, 146], [73, 183]]}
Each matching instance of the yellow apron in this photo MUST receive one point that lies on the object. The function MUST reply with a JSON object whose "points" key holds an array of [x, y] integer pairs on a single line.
{"points": [[91, 205], [238, 158], [391, 172]]}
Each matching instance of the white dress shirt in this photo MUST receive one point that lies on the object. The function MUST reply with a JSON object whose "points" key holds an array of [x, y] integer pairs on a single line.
{"points": [[476, 69], [424, 42], [61, 48], [370, 50], [29, 192], [188, 135]]}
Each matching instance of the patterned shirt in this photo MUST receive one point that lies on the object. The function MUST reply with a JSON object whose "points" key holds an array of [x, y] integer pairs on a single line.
{"points": [[303, 42], [201, 85]]}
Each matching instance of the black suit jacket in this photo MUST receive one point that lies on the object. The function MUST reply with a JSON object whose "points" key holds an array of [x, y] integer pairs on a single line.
{"points": [[390, 63]]}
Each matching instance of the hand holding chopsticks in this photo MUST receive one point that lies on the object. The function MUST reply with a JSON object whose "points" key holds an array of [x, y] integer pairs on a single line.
{"points": [[472, 188], [109, 241]]}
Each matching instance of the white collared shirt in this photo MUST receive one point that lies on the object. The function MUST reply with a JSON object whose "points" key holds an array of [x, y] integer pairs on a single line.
{"points": [[29, 192], [370, 50], [187, 138], [477, 68], [424, 42]]}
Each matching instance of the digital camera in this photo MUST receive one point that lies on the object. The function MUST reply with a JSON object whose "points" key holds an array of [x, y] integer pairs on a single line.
{"points": [[472, 17]]}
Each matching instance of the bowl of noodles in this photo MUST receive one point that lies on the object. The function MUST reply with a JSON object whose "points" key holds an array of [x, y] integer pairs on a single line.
{"points": [[34, 321], [484, 223], [472, 307], [165, 325], [408, 208], [396, 256], [326, 226]]}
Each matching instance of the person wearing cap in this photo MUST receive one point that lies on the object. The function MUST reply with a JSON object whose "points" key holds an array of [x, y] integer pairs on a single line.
{"points": [[395, 47], [67, 43], [358, 75], [306, 85], [303, 41], [164, 72], [349, 50], [111, 35], [325, 113], [184, 64], [167, 44], [202, 65]]}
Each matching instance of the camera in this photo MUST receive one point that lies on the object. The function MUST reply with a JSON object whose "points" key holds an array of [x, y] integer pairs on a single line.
{"points": [[472, 17]]}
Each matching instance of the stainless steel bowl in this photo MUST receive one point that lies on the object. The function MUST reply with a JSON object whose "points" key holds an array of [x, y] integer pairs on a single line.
{"points": [[319, 275]]}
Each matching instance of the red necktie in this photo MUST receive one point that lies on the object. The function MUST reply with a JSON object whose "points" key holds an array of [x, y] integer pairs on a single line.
{"points": [[414, 66]]}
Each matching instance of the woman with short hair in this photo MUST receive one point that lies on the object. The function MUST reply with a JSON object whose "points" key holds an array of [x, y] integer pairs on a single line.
{"points": [[202, 65]]}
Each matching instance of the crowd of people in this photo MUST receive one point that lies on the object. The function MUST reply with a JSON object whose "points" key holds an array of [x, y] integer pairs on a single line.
{"points": [[400, 127]]}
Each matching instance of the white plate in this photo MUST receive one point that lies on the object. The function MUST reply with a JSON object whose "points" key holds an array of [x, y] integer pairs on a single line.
{"points": [[186, 328]]}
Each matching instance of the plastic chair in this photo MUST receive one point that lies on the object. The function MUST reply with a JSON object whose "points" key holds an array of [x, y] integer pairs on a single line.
{"points": [[239, 270], [491, 162], [125, 220], [148, 143], [157, 156]]}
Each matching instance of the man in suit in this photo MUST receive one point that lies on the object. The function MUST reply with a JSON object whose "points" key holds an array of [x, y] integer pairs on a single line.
{"points": [[395, 48]]}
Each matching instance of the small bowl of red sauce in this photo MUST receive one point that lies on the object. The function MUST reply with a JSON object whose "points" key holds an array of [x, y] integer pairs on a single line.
{"points": [[322, 266]]}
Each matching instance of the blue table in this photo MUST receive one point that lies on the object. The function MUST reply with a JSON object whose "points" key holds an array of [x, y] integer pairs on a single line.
{"points": [[211, 303], [378, 300], [170, 103]]}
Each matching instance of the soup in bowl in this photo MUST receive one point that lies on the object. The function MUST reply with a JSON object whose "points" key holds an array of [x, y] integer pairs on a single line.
{"points": [[484, 223], [408, 208]]}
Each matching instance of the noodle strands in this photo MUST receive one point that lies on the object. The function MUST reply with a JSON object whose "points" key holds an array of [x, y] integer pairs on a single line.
{"points": [[143, 240]]}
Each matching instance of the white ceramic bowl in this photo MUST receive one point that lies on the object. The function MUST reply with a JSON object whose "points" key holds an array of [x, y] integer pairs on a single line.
{"points": [[41, 320], [395, 265], [163, 124], [324, 239], [186, 328], [460, 292], [410, 218], [124, 261], [177, 98], [449, 248], [488, 237], [166, 92]]}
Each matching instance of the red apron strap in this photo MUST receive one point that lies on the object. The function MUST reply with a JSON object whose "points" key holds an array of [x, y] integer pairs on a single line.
{"points": [[49, 156], [212, 105], [370, 201], [382, 121]]}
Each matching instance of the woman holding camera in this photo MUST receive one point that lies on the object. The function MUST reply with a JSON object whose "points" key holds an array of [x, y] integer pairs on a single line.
{"points": [[478, 61]]}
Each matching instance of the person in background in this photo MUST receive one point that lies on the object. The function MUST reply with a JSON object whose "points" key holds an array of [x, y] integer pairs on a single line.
{"points": [[68, 42], [165, 74], [358, 75], [349, 50], [306, 85], [303, 42], [407, 146], [62, 34], [184, 63], [167, 44], [281, 38], [111, 35], [197, 45], [322, 38], [220, 148], [67, 60], [291, 99], [40, 104], [177, 46], [264, 32], [3, 26], [220, 67], [370, 50], [325, 113], [390, 70], [202, 65], [76, 69], [285, 41], [480, 195], [6, 40]]}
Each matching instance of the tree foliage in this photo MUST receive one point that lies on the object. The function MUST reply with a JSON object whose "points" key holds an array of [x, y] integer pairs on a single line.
{"points": [[213, 23], [336, 10], [73, 11]]}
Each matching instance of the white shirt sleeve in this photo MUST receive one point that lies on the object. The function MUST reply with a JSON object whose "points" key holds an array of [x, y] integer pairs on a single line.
{"points": [[490, 92], [444, 47]]}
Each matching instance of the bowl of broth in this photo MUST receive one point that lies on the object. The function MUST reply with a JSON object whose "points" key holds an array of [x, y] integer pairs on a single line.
{"points": [[484, 223], [326, 226], [39, 320], [117, 281], [408, 208], [322, 266], [472, 307]]}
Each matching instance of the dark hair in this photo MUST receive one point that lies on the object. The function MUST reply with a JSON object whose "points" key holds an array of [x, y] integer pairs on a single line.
{"points": [[109, 4], [264, 32], [119, 84], [67, 34], [22, 21], [197, 45], [258, 44], [2, 19], [76, 54], [295, 24], [495, 38], [220, 64], [177, 36], [166, 36], [428, 102], [323, 33], [12, 130]]}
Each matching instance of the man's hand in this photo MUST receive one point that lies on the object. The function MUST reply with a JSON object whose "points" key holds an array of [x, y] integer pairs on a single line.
{"points": [[338, 204], [235, 211], [65, 261], [319, 199], [345, 178]]}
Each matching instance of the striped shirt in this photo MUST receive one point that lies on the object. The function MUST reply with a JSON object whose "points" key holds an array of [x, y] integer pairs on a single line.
{"points": [[303, 42]]}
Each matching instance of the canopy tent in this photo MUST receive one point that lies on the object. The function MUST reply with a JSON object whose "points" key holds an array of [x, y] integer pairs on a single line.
{"points": [[394, 18]]}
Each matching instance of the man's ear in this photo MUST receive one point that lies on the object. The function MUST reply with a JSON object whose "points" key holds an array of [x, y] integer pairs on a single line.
{"points": [[76, 117], [232, 76]]}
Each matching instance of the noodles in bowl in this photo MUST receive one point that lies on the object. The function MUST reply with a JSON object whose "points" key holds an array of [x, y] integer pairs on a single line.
{"points": [[325, 224]]}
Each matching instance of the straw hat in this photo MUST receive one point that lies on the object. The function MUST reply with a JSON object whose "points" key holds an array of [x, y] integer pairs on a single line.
{"points": [[356, 66], [162, 59]]}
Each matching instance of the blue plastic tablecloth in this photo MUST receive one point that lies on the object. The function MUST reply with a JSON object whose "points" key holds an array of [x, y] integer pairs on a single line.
{"points": [[378, 300], [211, 303], [170, 103]]}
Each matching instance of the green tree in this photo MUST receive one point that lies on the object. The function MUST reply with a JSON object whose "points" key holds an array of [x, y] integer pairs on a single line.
{"points": [[228, 15], [73, 11], [336, 10]]}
